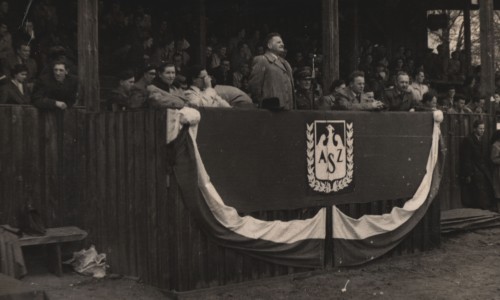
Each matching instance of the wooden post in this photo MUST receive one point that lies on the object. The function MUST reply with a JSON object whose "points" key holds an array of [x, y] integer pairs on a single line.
{"points": [[486, 21], [88, 55], [331, 52], [203, 32], [467, 38], [355, 35]]}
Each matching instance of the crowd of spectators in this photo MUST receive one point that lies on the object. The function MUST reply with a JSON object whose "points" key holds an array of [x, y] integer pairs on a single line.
{"points": [[137, 48]]}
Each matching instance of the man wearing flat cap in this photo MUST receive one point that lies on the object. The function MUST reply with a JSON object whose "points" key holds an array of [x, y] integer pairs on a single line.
{"points": [[271, 77]]}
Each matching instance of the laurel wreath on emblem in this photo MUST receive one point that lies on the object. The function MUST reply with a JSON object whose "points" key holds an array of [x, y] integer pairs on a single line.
{"points": [[336, 185]]}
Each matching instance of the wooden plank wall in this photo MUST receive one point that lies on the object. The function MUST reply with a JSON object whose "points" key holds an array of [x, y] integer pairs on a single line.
{"points": [[108, 173]]}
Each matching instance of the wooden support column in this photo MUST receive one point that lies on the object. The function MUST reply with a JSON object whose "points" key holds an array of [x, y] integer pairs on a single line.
{"points": [[355, 35], [88, 55], [486, 21], [203, 32], [467, 38], [331, 52]]}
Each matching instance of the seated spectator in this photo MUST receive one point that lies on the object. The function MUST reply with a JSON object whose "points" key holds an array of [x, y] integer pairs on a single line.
{"points": [[180, 48], [223, 74], [454, 68], [477, 105], [428, 103], [418, 88], [141, 53], [241, 55], [22, 56], [148, 75], [162, 92], [469, 88], [200, 92], [218, 56], [400, 98], [369, 95], [57, 90], [15, 91], [351, 98], [327, 102], [447, 102], [298, 61], [122, 97], [459, 106], [238, 76]]}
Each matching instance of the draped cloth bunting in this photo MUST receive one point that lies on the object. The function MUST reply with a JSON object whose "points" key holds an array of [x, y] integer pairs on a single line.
{"points": [[297, 243], [360, 240]]}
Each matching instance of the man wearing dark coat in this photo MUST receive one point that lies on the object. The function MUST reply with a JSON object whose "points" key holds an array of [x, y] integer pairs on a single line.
{"points": [[15, 91], [271, 75], [57, 90], [475, 169]]}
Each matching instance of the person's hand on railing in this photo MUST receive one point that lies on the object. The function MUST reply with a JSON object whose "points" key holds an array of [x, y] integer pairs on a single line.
{"points": [[61, 105]]}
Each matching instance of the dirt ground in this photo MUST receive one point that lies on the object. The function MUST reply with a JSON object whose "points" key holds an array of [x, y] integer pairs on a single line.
{"points": [[467, 266]]}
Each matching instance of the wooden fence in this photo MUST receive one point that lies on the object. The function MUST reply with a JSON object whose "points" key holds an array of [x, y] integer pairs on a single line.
{"points": [[108, 173]]}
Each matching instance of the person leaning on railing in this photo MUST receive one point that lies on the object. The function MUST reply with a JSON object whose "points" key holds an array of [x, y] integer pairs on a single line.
{"points": [[163, 91], [57, 89]]}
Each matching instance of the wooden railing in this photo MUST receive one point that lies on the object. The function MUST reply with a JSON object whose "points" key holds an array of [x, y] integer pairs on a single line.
{"points": [[108, 173]]}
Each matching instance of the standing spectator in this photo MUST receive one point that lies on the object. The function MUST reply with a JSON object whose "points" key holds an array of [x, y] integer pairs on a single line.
{"points": [[5, 41], [162, 92], [200, 92], [271, 75], [22, 56], [57, 90], [400, 98], [475, 169], [352, 98], [304, 95], [418, 88], [15, 91], [495, 159]]}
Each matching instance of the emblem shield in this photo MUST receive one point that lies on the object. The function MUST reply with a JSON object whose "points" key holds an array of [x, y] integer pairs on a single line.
{"points": [[330, 155]]}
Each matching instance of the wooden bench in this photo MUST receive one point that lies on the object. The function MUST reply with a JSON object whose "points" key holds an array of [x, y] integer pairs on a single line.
{"points": [[53, 238]]}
